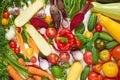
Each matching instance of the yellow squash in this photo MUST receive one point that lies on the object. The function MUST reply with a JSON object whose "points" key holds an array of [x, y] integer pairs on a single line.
{"points": [[112, 27]]}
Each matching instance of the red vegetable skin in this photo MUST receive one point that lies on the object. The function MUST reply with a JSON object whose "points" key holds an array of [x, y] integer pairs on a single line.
{"points": [[54, 11], [17, 50], [52, 2], [64, 57], [118, 75], [50, 32], [98, 28], [60, 5], [12, 44], [79, 17], [106, 78], [95, 76], [88, 58], [38, 23]]}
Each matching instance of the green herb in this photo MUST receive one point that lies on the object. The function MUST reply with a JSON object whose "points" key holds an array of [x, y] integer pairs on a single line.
{"points": [[88, 45], [80, 28], [50, 41]]}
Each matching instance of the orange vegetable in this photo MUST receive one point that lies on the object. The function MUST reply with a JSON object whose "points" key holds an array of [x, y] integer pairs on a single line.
{"points": [[4, 21], [13, 73], [19, 39], [29, 52], [36, 77], [97, 67], [30, 79], [48, 19], [32, 44], [21, 61], [37, 71]]}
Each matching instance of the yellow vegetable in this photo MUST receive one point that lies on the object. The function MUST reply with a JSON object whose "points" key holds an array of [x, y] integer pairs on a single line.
{"points": [[29, 52], [41, 43], [48, 19], [110, 69], [75, 71], [28, 13], [111, 26], [4, 21], [88, 34]]}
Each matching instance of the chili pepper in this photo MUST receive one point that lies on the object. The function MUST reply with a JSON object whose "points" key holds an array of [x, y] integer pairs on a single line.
{"points": [[65, 40]]}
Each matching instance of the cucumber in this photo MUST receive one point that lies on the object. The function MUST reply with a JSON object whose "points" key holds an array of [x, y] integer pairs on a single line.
{"points": [[111, 44], [85, 72], [105, 36], [108, 1], [92, 22]]}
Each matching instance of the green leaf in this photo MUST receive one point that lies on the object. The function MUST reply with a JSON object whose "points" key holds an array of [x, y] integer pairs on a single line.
{"points": [[80, 29], [95, 55], [95, 36], [50, 41]]}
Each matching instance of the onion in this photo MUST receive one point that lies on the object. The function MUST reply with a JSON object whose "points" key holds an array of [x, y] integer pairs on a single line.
{"points": [[10, 34], [77, 55], [43, 63], [65, 23], [41, 14], [15, 11], [42, 30]]}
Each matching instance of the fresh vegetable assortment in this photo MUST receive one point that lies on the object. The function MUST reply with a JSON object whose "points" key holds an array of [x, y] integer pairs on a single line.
{"points": [[55, 40]]}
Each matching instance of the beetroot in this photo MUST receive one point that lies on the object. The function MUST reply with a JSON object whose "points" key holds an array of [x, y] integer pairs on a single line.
{"points": [[79, 17], [38, 23]]}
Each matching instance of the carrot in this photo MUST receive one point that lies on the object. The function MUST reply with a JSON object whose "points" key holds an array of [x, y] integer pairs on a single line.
{"points": [[21, 61], [37, 71], [19, 39], [30, 78], [32, 44], [36, 77], [13, 73]]}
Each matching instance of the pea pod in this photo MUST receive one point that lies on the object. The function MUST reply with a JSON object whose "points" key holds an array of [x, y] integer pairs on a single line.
{"points": [[85, 72], [111, 44], [92, 22], [105, 36]]}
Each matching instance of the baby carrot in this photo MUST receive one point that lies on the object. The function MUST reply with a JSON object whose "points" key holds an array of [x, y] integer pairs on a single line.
{"points": [[32, 44], [36, 77], [42, 73], [13, 73], [21, 61], [19, 39]]}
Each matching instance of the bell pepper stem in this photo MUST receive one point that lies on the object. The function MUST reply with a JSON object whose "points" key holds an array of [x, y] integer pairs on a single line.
{"points": [[63, 39]]}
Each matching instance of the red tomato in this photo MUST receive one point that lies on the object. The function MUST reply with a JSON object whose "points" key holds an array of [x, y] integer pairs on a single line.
{"points": [[78, 43], [51, 32], [17, 50], [64, 57], [88, 58], [53, 58], [106, 78], [116, 53], [95, 76], [18, 29], [33, 59], [98, 28], [13, 44], [6, 15]]}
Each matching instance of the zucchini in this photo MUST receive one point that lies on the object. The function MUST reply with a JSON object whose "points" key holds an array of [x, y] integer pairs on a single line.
{"points": [[28, 13], [85, 73], [92, 22], [41, 43], [105, 36], [75, 71], [111, 44], [108, 1]]}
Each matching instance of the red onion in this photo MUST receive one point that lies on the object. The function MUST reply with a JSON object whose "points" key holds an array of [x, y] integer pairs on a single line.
{"points": [[41, 14], [43, 63], [77, 55], [15, 11]]}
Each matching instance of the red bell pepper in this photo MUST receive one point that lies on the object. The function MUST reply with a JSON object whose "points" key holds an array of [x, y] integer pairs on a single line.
{"points": [[65, 40]]}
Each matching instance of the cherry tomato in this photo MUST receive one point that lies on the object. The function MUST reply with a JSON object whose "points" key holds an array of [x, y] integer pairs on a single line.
{"points": [[116, 53], [18, 29], [105, 55], [106, 78], [97, 67], [88, 58], [78, 43], [6, 15], [17, 50], [33, 59], [4, 21], [12, 44], [53, 58], [98, 28], [64, 57], [50, 32], [95, 76]]}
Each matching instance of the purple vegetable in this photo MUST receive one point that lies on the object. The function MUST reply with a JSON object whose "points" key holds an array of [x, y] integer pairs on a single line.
{"points": [[77, 55], [54, 11], [79, 17]]}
